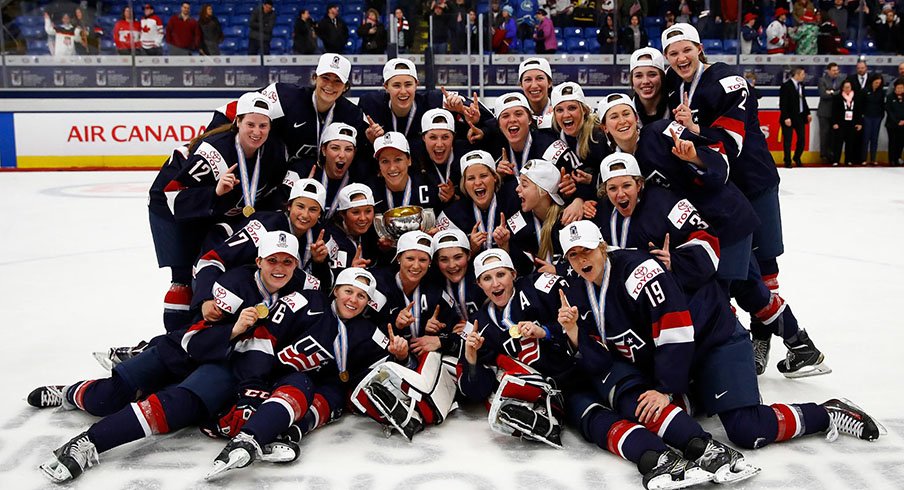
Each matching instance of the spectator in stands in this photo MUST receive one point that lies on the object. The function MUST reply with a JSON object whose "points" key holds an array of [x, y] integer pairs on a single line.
{"points": [[126, 33], [751, 43], [684, 13], [839, 15], [800, 9], [62, 37], [829, 40], [183, 34], [777, 33], [873, 112], [894, 123], [633, 36], [442, 26], [847, 124], [403, 29], [607, 36], [829, 86], [889, 32], [504, 35], [260, 28], [560, 12], [728, 10], [332, 30], [544, 34], [475, 30], [805, 34], [91, 33], [304, 39], [669, 19], [795, 114], [629, 8], [151, 32], [211, 31], [584, 13], [372, 34], [459, 27]]}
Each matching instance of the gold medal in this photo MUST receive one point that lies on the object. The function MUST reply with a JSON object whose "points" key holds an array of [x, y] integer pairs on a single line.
{"points": [[262, 310], [343, 376], [247, 211], [514, 332]]}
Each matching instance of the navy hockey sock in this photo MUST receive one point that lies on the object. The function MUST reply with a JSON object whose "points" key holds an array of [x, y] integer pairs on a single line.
{"points": [[769, 271], [286, 405], [325, 408], [755, 427], [100, 397], [673, 424]]}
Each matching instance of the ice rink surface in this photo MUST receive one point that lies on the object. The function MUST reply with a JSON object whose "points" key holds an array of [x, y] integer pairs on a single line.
{"points": [[79, 275]]}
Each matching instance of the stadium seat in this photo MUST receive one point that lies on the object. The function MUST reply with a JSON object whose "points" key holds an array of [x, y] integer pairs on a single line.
{"points": [[224, 9], [656, 43], [351, 19], [571, 32], [651, 21], [30, 20], [558, 31], [277, 45], [591, 32], [356, 8], [107, 46], [33, 32], [529, 46], [282, 31], [868, 46], [240, 20], [654, 32], [593, 45], [236, 30], [229, 46], [560, 45], [576, 45], [712, 46], [730, 46]]}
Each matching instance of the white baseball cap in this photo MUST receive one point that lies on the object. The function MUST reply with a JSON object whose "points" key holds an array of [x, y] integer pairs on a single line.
{"points": [[679, 32], [541, 64], [399, 66], [359, 278], [451, 238], [252, 103], [509, 100], [566, 91], [311, 189], [647, 57], [414, 240], [334, 63], [392, 139], [274, 242], [476, 157], [493, 258], [437, 119], [545, 175], [610, 101], [581, 233], [351, 190], [620, 159], [340, 131]]}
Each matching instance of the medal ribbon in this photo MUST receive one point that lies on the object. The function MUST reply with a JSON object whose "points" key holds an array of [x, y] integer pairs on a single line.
{"points": [[411, 113], [598, 303], [268, 298], [305, 263], [326, 121], [619, 239], [461, 298], [690, 94], [524, 153], [329, 212], [416, 309], [443, 179], [406, 197], [490, 222], [249, 187], [340, 344], [507, 322]]}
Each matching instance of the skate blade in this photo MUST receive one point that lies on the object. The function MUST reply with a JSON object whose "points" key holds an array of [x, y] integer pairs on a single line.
{"points": [[55, 471], [882, 430], [727, 474], [103, 358], [693, 476], [280, 452], [527, 435], [809, 371], [235, 461]]}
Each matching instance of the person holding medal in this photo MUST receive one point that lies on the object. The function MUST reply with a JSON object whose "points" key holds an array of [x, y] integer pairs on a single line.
{"points": [[352, 229], [184, 378], [437, 152], [451, 258], [223, 175]]}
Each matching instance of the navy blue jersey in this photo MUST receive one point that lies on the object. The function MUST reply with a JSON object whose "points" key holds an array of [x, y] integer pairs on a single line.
{"points": [[726, 113], [598, 147], [343, 247], [662, 110], [466, 295], [524, 244], [647, 320], [463, 215], [694, 250], [417, 192], [191, 195], [376, 105], [708, 188], [301, 169], [439, 173], [545, 145], [240, 249]]}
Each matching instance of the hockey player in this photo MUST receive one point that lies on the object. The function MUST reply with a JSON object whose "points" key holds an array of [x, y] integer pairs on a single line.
{"points": [[352, 229], [180, 381], [516, 332], [532, 244], [535, 80], [438, 151], [647, 76], [715, 103], [576, 125], [644, 317], [451, 256], [396, 183], [223, 175]]}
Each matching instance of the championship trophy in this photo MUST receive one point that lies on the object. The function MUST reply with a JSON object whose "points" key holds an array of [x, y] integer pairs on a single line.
{"points": [[397, 221]]}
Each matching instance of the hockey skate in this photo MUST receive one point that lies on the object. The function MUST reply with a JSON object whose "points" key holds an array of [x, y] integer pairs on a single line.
{"points": [[49, 396], [402, 417], [71, 459], [761, 352], [726, 464], [244, 449], [847, 418], [531, 424], [671, 471], [803, 359], [116, 355]]}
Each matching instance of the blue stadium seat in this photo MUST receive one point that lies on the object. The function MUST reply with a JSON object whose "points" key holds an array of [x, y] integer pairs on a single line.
{"points": [[349, 9], [560, 45], [282, 31], [558, 31], [654, 32], [277, 45], [33, 32], [573, 32], [317, 11], [591, 32], [730, 46], [351, 19], [712, 46], [229, 46], [236, 31], [656, 43], [223, 10], [240, 20], [350, 46], [30, 20], [530, 46], [593, 45], [107, 46], [576, 45], [868, 46], [653, 22], [483, 8], [353, 31]]}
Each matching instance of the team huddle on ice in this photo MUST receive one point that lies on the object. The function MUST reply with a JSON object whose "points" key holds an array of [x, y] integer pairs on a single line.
{"points": [[417, 251]]}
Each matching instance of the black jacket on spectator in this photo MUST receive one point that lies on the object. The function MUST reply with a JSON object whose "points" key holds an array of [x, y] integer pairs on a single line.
{"points": [[304, 41], [372, 42], [789, 102], [874, 102], [626, 39], [333, 33], [847, 135], [260, 27], [890, 38], [894, 108]]}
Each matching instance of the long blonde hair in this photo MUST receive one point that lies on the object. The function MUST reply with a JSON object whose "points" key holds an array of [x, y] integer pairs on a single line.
{"points": [[585, 133], [553, 214]]}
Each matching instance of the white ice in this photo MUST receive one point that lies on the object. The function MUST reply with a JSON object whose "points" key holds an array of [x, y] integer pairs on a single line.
{"points": [[79, 275]]}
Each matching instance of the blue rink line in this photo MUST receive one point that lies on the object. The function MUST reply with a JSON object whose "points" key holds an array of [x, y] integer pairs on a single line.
{"points": [[7, 141]]}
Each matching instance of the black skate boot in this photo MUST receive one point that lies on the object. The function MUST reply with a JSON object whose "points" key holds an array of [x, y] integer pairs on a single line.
{"points": [[396, 412], [803, 359], [532, 424], [761, 344], [726, 464], [49, 396], [241, 451], [71, 459], [668, 470], [117, 355], [847, 418]]}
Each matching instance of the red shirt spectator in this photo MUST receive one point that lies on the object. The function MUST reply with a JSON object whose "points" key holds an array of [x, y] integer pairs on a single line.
{"points": [[126, 33], [183, 34]]}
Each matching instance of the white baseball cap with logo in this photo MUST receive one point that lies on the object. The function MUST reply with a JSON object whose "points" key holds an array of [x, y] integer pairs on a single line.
{"points": [[617, 165], [566, 91], [334, 63], [340, 131], [392, 139], [610, 101], [532, 63], [647, 57], [509, 100], [359, 278], [252, 103], [399, 66], [679, 32], [451, 238], [274, 242], [476, 157], [414, 240], [310, 189], [581, 233], [348, 194], [546, 176], [493, 258], [437, 119]]}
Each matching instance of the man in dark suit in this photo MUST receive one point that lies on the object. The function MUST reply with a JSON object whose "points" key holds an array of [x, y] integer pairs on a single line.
{"points": [[860, 78], [829, 86], [795, 114], [332, 30]]}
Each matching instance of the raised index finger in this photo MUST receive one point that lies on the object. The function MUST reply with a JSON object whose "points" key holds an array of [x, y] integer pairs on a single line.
{"points": [[435, 313], [685, 100], [320, 236], [391, 335], [565, 303], [370, 121], [674, 136]]}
